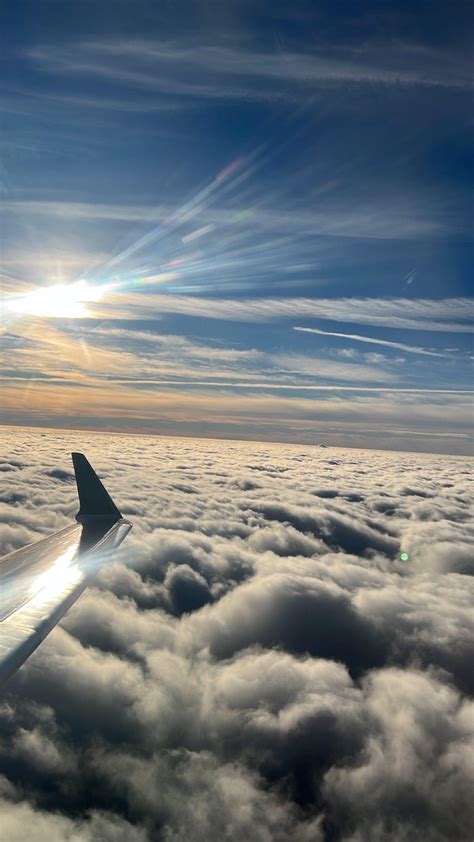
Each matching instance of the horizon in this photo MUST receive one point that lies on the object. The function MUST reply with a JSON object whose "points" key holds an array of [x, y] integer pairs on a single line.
{"points": [[223, 439]]}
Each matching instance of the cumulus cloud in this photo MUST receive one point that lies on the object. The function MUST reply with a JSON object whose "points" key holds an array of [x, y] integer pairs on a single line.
{"points": [[258, 662]]}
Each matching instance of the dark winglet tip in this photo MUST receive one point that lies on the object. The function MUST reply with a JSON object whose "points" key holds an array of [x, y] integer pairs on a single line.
{"points": [[95, 501]]}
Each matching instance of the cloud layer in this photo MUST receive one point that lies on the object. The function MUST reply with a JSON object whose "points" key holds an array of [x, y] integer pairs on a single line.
{"points": [[258, 662], [211, 71]]}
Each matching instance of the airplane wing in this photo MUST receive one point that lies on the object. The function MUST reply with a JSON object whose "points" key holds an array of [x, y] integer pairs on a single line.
{"points": [[40, 582]]}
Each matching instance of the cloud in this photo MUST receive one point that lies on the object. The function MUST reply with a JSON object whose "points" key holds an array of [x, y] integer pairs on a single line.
{"points": [[412, 219], [92, 355], [132, 378], [230, 72], [449, 315], [419, 724], [258, 661], [400, 346], [217, 408], [331, 370], [49, 827]]}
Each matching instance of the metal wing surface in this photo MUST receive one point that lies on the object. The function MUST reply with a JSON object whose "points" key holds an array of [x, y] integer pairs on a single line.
{"points": [[40, 582]]}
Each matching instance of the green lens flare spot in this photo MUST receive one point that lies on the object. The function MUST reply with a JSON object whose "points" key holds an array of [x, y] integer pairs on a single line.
{"points": [[404, 556]]}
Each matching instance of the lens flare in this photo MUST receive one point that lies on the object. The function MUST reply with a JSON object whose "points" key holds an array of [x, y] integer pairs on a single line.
{"points": [[213, 240]]}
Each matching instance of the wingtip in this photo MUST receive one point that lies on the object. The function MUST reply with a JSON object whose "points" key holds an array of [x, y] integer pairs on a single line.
{"points": [[94, 499]]}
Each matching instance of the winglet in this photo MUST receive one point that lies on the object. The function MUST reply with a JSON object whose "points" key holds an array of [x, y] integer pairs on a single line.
{"points": [[95, 502]]}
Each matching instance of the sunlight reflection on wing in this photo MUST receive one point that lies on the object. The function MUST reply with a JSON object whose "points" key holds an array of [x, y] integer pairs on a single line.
{"points": [[63, 574]]}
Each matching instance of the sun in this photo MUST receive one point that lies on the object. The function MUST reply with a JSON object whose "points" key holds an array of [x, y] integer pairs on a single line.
{"points": [[58, 301]]}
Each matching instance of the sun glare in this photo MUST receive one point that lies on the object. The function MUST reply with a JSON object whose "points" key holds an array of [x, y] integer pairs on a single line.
{"points": [[59, 301], [63, 574]]}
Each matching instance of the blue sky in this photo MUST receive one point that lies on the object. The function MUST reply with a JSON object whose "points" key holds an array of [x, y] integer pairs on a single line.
{"points": [[243, 219]]}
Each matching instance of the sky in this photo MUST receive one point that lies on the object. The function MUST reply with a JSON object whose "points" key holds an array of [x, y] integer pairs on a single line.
{"points": [[244, 220], [281, 649]]}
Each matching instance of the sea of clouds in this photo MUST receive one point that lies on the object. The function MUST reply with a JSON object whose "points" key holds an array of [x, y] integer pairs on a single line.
{"points": [[258, 663]]}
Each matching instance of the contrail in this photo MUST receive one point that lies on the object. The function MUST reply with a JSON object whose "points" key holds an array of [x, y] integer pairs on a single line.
{"points": [[400, 346]]}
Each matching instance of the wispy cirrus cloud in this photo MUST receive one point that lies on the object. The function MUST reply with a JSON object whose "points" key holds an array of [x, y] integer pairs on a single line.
{"points": [[248, 413], [171, 352], [150, 357], [22, 100], [323, 368], [405, 218], [134, 379], [232, 72], [450, 315]]}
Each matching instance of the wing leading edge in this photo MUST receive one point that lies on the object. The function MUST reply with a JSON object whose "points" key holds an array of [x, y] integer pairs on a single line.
{"points": [[40, 582]]}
